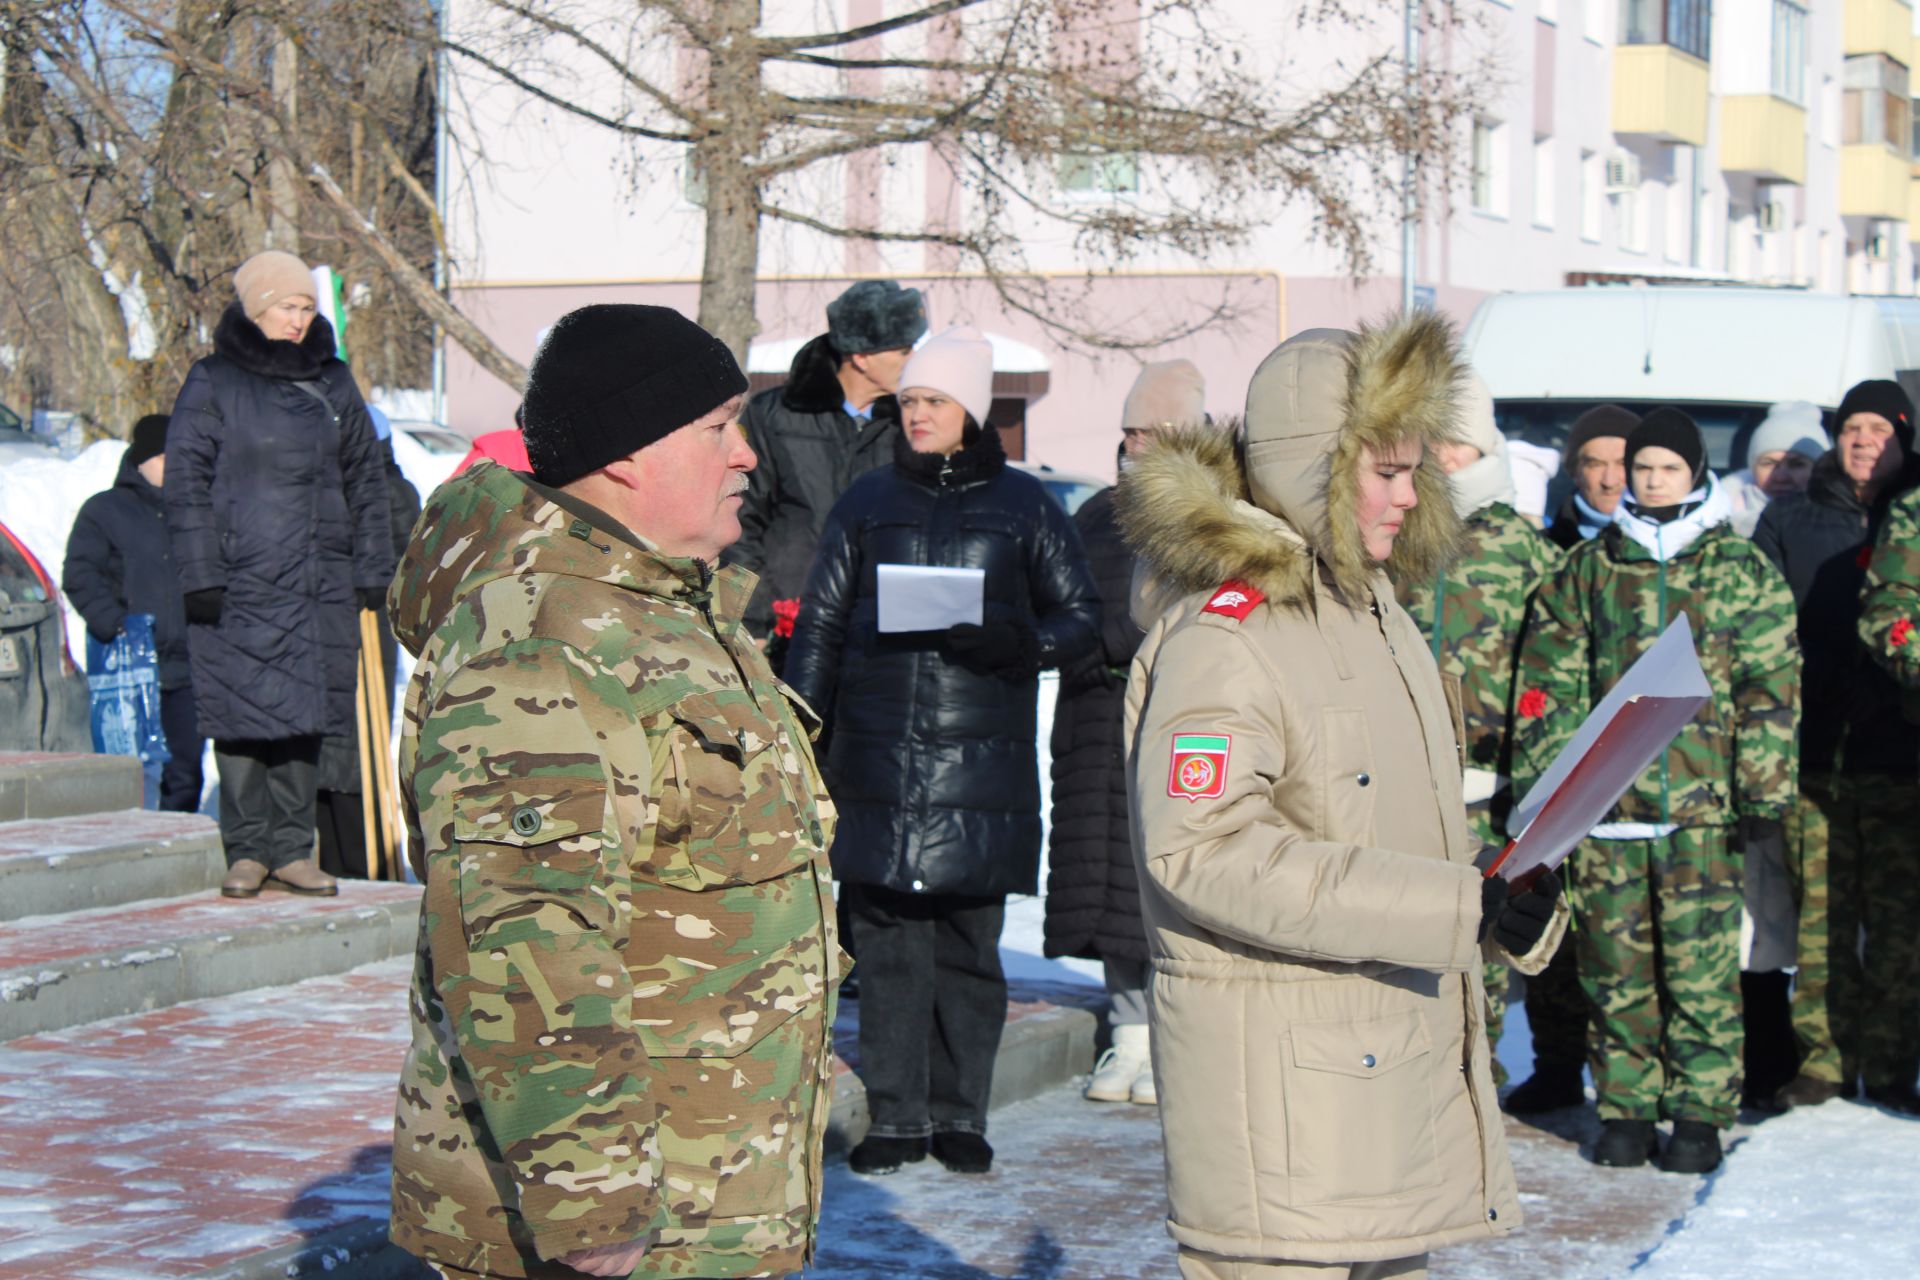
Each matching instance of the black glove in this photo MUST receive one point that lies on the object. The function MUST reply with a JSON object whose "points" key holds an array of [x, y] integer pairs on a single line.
{"points": [[374, 598], [1749, 831], [1519, 922], [1006, 648], [204, 606]]}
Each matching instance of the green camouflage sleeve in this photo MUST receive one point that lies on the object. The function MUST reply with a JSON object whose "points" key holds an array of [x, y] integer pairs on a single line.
{"points": [[1766, 692], [1551, 684], [529, 889], [1891, 597]]}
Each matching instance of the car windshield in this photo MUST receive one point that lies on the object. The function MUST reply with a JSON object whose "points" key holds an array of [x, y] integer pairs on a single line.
{"points": [[1070, 494]]}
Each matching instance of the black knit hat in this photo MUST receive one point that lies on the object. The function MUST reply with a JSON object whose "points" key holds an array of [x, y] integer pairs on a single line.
{"points": [[1597, 423], [1885, 398], [1671, 429], [615, 377], [148, 439], [875, 315]]}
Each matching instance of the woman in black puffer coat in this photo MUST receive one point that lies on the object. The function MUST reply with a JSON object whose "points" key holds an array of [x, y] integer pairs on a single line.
{"points": [[277, 505], [932, 762]]}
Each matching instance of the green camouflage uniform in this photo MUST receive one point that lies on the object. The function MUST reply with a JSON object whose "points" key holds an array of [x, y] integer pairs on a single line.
{"points": [[1872, 845], [1472, 615], [625, 978], [1658, 941]]}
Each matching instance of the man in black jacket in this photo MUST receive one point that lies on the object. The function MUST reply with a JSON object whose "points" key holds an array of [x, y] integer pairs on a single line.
{"points": [[1596, 458], [120, 561], [1850, 851], [833, 421]]}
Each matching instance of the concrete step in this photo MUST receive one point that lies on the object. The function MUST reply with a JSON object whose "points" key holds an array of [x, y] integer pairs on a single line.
{"points": [[35, 784], [63, 970], [249, 1137], [105, 859]]}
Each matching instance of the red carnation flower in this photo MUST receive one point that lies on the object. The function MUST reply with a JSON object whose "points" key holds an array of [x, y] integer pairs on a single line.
{"points": [[784, 612], [1902, 631], [1533, 704], [1865, 557]]}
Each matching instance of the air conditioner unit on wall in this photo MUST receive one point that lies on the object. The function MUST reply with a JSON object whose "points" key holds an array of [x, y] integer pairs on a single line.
{"points": [[1623, 173]]}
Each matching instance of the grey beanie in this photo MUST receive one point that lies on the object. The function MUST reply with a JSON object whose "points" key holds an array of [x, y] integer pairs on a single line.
{"points": [[1793, 425], [876, 315]]}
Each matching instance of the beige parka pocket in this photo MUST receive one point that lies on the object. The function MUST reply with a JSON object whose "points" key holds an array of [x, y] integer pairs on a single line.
{"points": [[1360, 1108]]}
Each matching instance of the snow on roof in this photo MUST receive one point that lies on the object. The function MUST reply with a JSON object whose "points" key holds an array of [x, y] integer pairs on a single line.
{"points": [[1010, 355]]}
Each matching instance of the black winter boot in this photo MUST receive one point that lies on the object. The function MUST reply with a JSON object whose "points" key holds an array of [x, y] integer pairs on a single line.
{"points": [[1626, 1144], [1694, 1148], [1552, 1085], [876, 1156], [1899, 1098], [962, 1152]]}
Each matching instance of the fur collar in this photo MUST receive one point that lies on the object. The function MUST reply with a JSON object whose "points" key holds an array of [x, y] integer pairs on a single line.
{"points": [[973, 463], [813, 383], [240, 340]]}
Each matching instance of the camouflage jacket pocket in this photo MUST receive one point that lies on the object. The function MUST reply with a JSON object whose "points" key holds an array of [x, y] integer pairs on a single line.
{"points": [[530, 862], [731, 810]]}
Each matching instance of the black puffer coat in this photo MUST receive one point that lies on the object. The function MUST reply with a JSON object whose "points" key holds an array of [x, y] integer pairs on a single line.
{"points": [[1850, 710], [280, 500], [1093, 891], [932, 765], [120, 561], [810, 449]]}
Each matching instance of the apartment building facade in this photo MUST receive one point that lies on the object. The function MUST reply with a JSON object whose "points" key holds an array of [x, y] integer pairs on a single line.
{"points": [[1759, 141]]}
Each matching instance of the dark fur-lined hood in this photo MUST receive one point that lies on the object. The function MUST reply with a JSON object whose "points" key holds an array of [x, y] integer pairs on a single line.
{"points": [[242, 341], [813, 382], [1270, 501]]}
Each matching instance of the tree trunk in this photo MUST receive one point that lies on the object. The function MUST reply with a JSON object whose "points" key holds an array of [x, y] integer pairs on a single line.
{"points": [[724, 159], [283, 226]]}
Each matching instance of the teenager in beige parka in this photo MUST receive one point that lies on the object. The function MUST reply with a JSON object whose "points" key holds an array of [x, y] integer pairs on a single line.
{"points": [[1308, 882]]}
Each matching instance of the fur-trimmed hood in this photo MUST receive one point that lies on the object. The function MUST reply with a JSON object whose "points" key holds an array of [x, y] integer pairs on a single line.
{"points": [[242, 341], [1268, 503]]}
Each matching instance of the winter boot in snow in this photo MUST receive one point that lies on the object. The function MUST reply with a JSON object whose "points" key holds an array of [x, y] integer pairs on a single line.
{"points": [[876, 1156], [1808, 1091], [1625, 1144], [1552, 1085], [1120, 1066], [1143, 1091], [1694, 1148], [962, 1152]]}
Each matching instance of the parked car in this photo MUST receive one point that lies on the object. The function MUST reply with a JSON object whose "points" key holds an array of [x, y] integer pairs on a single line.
{"points": [[1067, 488], [434, 437]]}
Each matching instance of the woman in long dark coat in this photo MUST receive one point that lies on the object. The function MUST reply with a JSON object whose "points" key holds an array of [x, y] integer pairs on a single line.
{"points": [[277, 506], [932, 761], [1093, 890]]}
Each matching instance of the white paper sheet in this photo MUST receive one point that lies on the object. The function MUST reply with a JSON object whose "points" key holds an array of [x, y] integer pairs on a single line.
{"points": [[918, 597]]}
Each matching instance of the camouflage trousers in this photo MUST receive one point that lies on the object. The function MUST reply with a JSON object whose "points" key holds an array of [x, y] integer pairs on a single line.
{"points": [[1854, 868], [1495, 977], [1658, 950]]}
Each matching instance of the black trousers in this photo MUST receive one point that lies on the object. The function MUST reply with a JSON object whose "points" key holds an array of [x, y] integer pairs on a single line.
{"points": [[933, 1001], [180, 777], [267, 799], [343, 834]]}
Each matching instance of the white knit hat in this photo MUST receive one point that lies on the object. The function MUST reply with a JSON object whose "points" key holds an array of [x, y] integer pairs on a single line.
{"points": [[959, 363], [1793, 425], [1476, 423]]}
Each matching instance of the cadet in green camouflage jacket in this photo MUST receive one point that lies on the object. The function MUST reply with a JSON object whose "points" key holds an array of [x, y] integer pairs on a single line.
{"points": [[624, 986], [1656, 892], [1890, 611]]}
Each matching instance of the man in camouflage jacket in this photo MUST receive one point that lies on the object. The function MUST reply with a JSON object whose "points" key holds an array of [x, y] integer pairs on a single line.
{"points": [[1657, 891], [623, 990], [1473, 612]]}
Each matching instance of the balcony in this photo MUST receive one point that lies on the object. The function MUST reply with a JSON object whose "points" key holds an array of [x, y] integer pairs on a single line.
{"points": [[1880, 26], [1660, 93], [1764, 136], [1875, 181]]}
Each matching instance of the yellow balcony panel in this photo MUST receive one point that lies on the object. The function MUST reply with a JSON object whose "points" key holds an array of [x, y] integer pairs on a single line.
{"points": [[1659, 92], [1875, 181], [1764, 136], [1880, 26]]}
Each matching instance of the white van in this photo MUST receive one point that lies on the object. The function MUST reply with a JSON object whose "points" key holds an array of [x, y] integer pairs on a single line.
{"points": [[1722, 354]]}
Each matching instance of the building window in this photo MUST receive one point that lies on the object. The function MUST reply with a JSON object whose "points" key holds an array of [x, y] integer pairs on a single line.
{"points": [[1687, 25], [1789, 78], [1490, 167], [1100, 175], [1875, 106], [1593, 179], [1544, 178]]}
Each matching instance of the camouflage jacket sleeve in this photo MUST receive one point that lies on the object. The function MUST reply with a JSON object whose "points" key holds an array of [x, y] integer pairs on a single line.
{"points": [[1890, 603], [1552, 680], [1766, 691], [528, 887]]}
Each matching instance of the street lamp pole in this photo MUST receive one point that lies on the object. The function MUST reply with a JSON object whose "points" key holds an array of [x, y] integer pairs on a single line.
{"points": [[1410, 173]]}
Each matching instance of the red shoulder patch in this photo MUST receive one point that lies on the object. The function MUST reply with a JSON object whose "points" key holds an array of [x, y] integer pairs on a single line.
{"points": [[1235, 599]]}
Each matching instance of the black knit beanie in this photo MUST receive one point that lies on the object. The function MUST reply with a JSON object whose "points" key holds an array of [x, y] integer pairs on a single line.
{"points": [[1671, 429], [1596, 423], [1885, 398], [613, 378], [148, 439]]}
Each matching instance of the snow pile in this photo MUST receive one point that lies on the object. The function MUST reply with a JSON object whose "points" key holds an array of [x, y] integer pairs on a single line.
{"points": [[1828, 1190], [39, 498]]}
